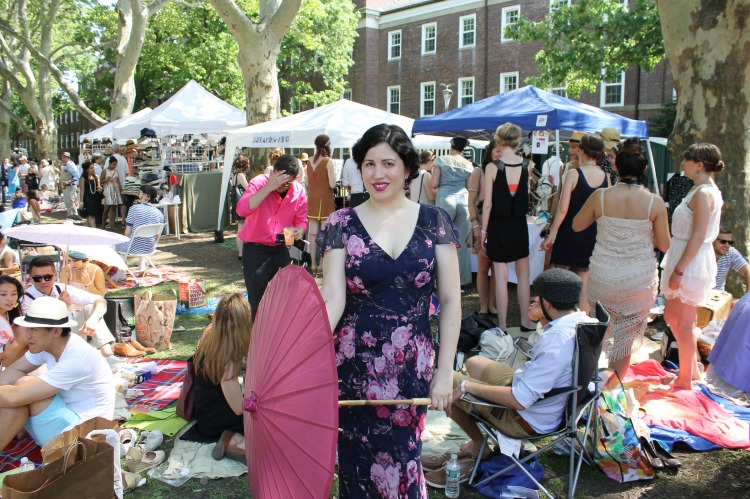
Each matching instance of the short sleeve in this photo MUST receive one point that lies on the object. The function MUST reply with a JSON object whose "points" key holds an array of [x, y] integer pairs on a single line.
{"points": [[446, 232], [331, 235], [738, 261]]}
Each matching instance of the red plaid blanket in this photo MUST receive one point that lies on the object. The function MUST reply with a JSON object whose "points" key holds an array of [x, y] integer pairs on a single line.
{"points": [[162, 389], [10, 458]]}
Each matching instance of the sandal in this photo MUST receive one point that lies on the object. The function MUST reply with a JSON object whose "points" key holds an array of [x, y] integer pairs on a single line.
{"points": [[128, 437], [132, 481], [138, 461]]}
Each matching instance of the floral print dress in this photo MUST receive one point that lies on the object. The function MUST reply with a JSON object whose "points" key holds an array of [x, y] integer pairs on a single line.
{"points": [[384, 350]]}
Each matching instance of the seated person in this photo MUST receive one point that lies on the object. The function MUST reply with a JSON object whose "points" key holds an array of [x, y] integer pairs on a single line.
{"points": [[727, 257], [18, 200], [88, 309], [77, 386], [83, 274], [143, 213], [8, 258], [729, 370], [11, 345], [521, 391], [219, 358]]}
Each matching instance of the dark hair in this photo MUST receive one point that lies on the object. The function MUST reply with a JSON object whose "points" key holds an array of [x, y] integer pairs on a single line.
{"points": [[563, 307], [425, 155], [722, 230], [592, 146], [631, 161], [705, 153], [459, 143], [287, 164], [487, 159], [15, 311], [322, 147], [241, 164], [41, 261], [65, 331], [396, 138], [85, 166], [111, 160], [150, 191]]}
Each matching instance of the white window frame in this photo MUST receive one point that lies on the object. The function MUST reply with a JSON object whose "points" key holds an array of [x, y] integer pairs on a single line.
{"points": [[503, 76], [425, 27], [347, 94], [423, 100], [461, 82], [294, 106], [603, 92], [391, 102], [554, 4], [503, 21], [392, 45], [561, 91], [462, 32]]}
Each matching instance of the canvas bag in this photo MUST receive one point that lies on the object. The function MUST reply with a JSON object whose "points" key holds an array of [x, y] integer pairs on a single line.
{"points": [[617, 451], [154, 319], [84, 471]]}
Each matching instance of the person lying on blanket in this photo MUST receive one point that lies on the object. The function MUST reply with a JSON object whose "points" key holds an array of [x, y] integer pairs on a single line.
{"points": [[521, 390], [77, 386]]}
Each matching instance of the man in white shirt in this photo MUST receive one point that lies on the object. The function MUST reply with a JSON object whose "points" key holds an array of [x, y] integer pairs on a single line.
{"points": [[98, 160], [69, 176], [351, 177], [522, 391], [23, 171], [90, 307], [551, 169], [77, 386]]}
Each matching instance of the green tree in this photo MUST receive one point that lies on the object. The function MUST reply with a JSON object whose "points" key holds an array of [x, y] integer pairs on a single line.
{"points": [[592, 41]]}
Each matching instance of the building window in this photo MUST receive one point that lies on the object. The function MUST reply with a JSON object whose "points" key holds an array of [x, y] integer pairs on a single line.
{"points": [[561, 91], [347, 94], [467, 29], [294, 106], [613, 92], [429, 38], [556, 4], [394, 99], [394, 45], [508, 81], [465, 91], [510, 16], [427, 99]]}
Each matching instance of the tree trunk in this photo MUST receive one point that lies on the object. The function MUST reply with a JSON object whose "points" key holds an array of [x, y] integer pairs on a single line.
{"points": [[133, 18], [707, 50], [5, 95]]}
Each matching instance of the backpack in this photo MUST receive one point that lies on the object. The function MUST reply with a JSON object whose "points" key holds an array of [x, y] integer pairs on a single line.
{"points": [[235, 194]]}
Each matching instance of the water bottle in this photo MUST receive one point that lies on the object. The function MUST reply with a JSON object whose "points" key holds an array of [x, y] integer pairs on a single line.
{"points": [[26, 465], [452, 474]]}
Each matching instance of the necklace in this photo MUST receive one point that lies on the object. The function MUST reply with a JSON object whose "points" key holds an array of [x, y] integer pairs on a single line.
{"points": [[628, 181], [92, 191]]}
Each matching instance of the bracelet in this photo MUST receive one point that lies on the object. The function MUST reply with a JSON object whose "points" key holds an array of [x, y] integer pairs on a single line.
{"points": [[678, 271], [484, 232], [463, 385], [475, 227]]}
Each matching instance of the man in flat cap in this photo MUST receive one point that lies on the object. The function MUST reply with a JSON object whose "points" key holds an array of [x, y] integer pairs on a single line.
{"points": [[521, 391]]}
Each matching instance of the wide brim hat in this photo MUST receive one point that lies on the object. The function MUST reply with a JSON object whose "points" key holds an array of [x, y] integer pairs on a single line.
{"points": [[611, 137], [46, 312], [304, 157], [575, 138]]}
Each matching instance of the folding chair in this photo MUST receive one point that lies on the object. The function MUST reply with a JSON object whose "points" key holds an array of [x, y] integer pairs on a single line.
{"points": [[580, 398], [143, 232]]}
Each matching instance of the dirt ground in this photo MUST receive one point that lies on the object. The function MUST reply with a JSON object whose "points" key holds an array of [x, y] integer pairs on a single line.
{"points": [[713, 474]]}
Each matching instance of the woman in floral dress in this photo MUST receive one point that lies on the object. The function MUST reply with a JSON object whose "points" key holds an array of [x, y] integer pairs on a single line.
{"points": [[381, 261]]}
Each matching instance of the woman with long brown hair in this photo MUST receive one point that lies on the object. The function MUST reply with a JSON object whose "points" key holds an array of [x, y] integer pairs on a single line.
{"points": [[219, 359], [321, 179]]}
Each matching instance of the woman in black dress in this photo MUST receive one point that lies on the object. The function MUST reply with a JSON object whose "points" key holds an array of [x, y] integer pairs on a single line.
{"points": [[572, 250], [219, 357], [91, 193], [505, 234]]}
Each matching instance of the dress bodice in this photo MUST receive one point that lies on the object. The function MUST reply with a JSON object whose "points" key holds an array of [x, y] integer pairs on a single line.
{"points": [[682, 220]]}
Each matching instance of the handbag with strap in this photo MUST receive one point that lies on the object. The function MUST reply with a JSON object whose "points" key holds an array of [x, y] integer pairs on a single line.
{"points": [[186, 401]]}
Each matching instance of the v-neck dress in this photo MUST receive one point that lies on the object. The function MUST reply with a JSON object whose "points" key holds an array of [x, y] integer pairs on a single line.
{"points": [[384, 350]]}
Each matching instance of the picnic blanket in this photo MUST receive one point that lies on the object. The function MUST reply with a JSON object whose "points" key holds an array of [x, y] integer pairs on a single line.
{"points": [[162, 389], [690, 411], [10, 458], [196, 457], [166, 421], [149, 278]]}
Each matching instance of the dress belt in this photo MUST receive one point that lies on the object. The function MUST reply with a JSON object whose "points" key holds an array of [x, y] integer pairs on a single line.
{"points": [[497, 412]]}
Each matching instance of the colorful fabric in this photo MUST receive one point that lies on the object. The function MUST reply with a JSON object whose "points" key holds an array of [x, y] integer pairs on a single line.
{"points": [[149, 278], [273, 214], [10, 457], [689, 410], [162, 389], [166, 421]]}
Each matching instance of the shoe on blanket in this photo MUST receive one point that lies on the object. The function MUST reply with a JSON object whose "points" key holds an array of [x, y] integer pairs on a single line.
{"points": [[150, 440], [128, 438], [137, 460], [127, 350], [140, 347]]}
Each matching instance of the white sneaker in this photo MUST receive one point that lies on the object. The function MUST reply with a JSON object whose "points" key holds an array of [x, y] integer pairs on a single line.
{"points": [[128, 438], [150, 440]]}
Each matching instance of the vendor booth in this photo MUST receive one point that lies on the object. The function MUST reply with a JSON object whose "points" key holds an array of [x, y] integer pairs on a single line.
{"points": [[108, 130]]}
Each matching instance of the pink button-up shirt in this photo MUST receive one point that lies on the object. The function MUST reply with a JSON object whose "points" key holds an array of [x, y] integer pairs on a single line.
{"points": [[273, 214]]}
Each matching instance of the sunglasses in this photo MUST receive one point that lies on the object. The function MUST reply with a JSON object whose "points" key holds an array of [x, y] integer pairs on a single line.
{"points": [[726, 241], [39, 278]]}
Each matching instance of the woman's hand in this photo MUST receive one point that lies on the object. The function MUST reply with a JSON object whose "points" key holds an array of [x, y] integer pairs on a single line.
{"points": [[477, 238], [675, 281], [441, 390], [548, 242]]}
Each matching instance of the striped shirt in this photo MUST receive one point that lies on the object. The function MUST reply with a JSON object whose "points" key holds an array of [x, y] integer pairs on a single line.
{"points": [[732, 259], [141, 214]]}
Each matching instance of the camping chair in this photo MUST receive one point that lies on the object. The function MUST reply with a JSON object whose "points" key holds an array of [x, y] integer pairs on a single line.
{"points": [[143, 232], [580, 398]]}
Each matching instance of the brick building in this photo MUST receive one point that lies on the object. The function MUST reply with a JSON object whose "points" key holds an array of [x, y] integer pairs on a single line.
{"points": [[409, 50]]}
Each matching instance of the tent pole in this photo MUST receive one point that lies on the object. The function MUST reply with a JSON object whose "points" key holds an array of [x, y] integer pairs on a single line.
{"points": [[652, 166]]}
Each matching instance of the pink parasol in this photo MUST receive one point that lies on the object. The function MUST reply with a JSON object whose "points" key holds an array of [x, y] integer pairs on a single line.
{"points": [[291, 390]]}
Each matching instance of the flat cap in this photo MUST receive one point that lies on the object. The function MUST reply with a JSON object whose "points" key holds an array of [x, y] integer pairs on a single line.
{"points": [[558, 286]]}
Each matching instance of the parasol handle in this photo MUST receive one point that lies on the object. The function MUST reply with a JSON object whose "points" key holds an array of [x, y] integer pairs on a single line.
{"points": [[416, 401]]}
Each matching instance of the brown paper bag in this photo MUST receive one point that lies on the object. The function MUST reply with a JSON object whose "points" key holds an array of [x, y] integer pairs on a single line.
{"points": [[154, 319], [56, 447], [84, 471]]}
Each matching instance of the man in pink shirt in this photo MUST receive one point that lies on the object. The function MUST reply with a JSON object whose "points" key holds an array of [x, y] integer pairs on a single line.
{"points": [[270, 204]]}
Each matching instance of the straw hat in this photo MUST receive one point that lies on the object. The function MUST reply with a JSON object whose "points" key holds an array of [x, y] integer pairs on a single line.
{"points": [[611, 137], [46, 312], [575, 138], [304, 157]]}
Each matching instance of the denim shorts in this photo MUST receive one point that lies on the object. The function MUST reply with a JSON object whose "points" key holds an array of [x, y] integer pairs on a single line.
{"points": [[53, 420]]}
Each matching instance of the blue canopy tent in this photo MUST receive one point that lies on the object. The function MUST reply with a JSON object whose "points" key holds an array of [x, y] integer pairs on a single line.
{"points": [[531, 108]]}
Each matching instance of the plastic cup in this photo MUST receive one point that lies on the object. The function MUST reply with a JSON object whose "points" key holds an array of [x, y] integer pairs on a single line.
{"points": [[289, 236]]}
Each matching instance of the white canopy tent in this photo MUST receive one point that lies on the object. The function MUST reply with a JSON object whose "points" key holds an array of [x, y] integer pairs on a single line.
{"points": [[108, 130], [193, 109], [343, 121]]}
